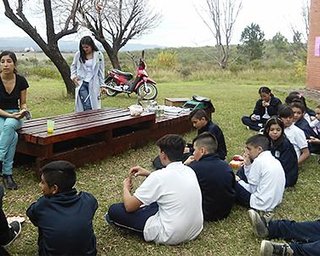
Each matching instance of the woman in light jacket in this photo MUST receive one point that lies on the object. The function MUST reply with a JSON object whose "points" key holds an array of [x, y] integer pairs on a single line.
{"points": [[87, 73]]}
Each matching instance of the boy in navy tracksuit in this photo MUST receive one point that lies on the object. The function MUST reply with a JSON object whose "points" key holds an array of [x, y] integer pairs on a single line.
{"points": [[200, 120], [63, 216], [202, 123], [215, 177]]}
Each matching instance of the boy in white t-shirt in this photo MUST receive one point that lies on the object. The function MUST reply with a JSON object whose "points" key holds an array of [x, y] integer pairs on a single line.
{"points": [[167, 207], [295, 135], [263, 181]]}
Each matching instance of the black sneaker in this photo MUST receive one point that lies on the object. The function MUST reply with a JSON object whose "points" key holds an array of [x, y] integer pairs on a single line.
{"points": [[14, 230], [269, 248], [8, 182], [259, 224]]}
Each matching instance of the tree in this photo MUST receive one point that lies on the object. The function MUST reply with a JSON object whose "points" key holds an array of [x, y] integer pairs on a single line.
{"points": [[280, 42], [222, 17], [114, 22], [50, 45], [252, 39]]}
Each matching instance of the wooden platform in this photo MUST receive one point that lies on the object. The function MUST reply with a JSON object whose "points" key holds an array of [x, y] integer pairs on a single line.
{"points": [[93, 135]]}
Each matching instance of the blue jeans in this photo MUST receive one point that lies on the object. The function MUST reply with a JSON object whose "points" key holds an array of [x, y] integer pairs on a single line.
{"points": [[133, 221], [8, 141], [305, 236], [84, 96]]}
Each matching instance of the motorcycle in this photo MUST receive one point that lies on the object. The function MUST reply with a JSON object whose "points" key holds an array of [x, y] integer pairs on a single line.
{"points": [[118, 81]]}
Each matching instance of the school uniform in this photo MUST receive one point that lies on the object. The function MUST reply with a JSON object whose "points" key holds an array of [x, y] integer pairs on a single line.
{"points": [[64, 223], [262, 113], [304, 236], [215, 130], [266, 181], [217, 181], [297, 138], [286, 154]]}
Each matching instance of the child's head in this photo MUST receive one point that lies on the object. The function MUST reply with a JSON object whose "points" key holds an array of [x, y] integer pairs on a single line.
{"points": [[265, 93], [172, 145], [274, 128], [298, 110], [295, 96], [256, 144], [205, 143], [199, 118], [317, 111], [286, 115], [56, 177]]}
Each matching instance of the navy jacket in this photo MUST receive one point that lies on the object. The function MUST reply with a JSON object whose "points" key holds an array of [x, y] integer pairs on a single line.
{"points": [[287, 156], [217, 181], [64, 222], [304, 125], [272, 108], [217, 132]]}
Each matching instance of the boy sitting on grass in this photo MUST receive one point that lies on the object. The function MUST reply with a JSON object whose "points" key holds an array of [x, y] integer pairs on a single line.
{"points": [[295, 135], [63, 216], [263, 185], [200, 120]]}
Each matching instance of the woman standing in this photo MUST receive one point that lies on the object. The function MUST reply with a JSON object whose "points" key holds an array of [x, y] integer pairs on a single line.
{"points": [[13, 95], [87, 73]]}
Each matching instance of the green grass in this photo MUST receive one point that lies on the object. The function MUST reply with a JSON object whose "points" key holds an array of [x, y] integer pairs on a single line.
{"points": [[232, 98]]}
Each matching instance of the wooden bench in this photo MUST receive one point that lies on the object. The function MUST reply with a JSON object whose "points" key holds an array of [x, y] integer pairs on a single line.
{"points": [[93, 135]]}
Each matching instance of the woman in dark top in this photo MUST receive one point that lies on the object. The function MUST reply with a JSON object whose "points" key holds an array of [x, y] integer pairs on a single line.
{"points": [[265, 107], [282, 149], [13, 107]]}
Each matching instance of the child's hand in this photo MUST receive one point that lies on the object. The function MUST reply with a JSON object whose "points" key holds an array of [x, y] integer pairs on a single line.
{"points": [[247, 160], [189, 160], [127, 183]]}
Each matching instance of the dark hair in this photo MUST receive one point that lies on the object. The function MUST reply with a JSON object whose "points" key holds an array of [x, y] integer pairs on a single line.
{"points": [[207, 140], [172, 145], [198, 114], [88, 41], [285, 111], [298, 104], [264, 89], [271, 121], [259, 140], [294, 96], [60, 173], [12, 55]]}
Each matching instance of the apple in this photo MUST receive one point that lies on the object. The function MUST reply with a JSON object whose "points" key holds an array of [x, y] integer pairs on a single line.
{"points": [[238, 158]]}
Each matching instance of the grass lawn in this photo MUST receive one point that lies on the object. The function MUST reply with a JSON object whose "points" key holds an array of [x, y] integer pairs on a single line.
{"points": [[232, 236]]}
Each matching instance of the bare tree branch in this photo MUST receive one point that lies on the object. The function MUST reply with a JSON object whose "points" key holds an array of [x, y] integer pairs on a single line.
{"points": [[222, 17], [50, 45], [115, 22]]}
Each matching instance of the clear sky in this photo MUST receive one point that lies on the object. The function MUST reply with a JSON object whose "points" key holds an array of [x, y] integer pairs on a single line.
{"points": [[182, 26]]}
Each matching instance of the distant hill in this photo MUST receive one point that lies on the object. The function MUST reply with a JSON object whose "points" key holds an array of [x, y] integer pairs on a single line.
{"points": [[19, 44]]}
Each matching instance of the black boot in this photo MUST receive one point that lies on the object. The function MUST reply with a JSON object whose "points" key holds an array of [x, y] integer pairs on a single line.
{"points": [[8, 182]]}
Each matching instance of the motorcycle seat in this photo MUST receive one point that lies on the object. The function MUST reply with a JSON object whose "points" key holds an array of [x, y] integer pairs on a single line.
{"points": [[126, 74]]}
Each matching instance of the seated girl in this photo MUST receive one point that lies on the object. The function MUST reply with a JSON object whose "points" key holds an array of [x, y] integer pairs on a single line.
{"points": [[282, 149], [265, 107]]}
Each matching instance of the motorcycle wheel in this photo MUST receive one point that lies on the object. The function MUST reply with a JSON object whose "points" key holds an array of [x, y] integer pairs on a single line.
{"points": [[109, 91], [147, 91]]}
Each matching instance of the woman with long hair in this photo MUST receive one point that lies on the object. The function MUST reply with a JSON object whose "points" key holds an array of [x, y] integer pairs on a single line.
{"points": [[87, 73], [13, 107]]}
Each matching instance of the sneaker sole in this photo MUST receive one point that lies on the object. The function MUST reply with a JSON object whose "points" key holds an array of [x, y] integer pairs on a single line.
{"points": [[266, 248], [253, 216]]}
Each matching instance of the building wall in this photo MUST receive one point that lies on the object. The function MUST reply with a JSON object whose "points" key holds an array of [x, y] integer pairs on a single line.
{"points": [[313, 60]]}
